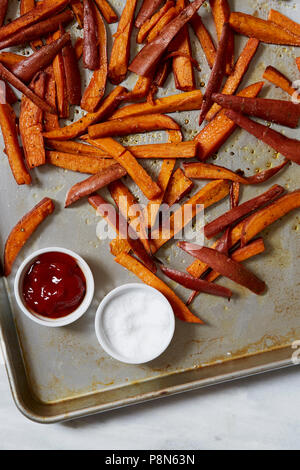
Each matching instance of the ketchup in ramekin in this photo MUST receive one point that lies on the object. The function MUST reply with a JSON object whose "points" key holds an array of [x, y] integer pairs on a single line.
{"points": [[54, 285]]}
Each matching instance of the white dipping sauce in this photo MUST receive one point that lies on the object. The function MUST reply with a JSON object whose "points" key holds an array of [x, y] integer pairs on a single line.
{"points": [[135, 323]]}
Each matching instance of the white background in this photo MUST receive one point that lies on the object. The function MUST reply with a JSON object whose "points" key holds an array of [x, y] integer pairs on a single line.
{"points": [[258, 413]]}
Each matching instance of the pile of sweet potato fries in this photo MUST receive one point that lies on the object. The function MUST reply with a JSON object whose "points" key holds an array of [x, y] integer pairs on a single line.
{"points": [[49, 80]]}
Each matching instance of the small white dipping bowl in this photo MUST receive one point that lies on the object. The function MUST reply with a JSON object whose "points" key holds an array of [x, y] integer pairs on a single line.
{"points": [[54, 322], [131, 290]]}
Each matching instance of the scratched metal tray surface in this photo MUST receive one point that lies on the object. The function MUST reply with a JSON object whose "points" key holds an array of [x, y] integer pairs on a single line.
{"points": [[62, 373]]}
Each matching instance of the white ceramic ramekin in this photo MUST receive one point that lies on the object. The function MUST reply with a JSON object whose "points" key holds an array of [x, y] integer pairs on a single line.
{"points": [[101, 334], [68, 319]]}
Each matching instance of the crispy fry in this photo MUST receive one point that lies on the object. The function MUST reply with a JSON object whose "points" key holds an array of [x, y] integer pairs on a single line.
{"points": [[120, 53], [289, 148], [93, 183], [205, 39], [180, 309], [133, 168], [152, 21], [146, 11], [96, 88], [75, 148], [51, 121], [89, 164], [241, 254], [19, 85], [120, 225], [31, 124], [278, 111], [225, 266], [267, 216], [60, 80], [221, 13], [179, 186], [182, 102], [213, 136], [132, 125], [217, 73], [12, 147], [23, 230], [36, 31], [91, 59], [79, 127], [237, 213], [3, 10], [263, 30], [213, 172], [109, 15], [284, 22], [278, 79], [77, 8], [72, 72], [207, 196], [43, 10], [149, 56], [237, 74], [169, 15]]}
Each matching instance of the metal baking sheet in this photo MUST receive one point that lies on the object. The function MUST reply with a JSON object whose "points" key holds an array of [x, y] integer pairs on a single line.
{"points": [[62, 373]]}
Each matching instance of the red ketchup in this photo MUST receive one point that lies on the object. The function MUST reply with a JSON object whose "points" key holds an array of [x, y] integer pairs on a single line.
{"points": [[54, 285]]}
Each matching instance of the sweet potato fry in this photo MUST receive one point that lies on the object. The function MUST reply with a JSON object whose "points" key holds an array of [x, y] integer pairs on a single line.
{"points": [[75, 148], [217, 73], [32, 33], [109, 14], [213, 136], [124, 231], [78, 48], [158, 151], [72, 72], [278, 79], [162, 73], [31, 124], [133, 168], [152, 21], [25, 6], [199, 285], [89, 164], [169, 15], [298, 63], [118, 246], [237, 213], [91, 59], [9, 58], [3, 10], [5, 74], [45, 9], [205, 39], [140, 90], [289, 148], [225, 266], [149, 56], [12, 147], [79, 127], [93, 183], [120, 53], [180, 309], [264, 31], [11, 97], [179, 186], [237, 74], [23, 230], [132, 125], [207, 196], [278, 111], [213, 172], [284, 22], [51, 121], [221, 13], [131, 210], [77, 8], [182, 102], [146, 11], [267, 216], [96, 88], [60, 81], [27, 68], [241, 254]]}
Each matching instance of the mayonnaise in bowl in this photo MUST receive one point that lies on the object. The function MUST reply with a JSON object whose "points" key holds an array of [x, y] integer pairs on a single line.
{"points": [[135, 323]]}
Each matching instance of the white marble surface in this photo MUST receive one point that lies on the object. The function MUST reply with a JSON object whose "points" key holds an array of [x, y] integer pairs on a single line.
{"points": [[258, 413]]}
